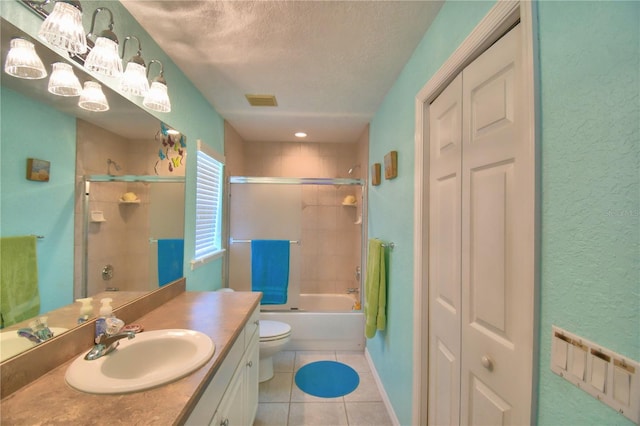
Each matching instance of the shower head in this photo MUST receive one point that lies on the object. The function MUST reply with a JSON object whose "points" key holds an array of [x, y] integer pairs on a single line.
{"points": [[109, 163]]}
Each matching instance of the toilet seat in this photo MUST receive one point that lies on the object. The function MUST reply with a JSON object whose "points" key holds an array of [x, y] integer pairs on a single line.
{"points": [[273, 330]]}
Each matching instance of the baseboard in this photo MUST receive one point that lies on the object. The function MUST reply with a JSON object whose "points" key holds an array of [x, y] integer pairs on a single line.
{"points": [[383, 393]]}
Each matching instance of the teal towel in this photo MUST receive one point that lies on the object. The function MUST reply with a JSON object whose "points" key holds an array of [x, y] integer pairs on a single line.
{"points": [[270, 270], [170, 260], [19, 296], [375, 290]]}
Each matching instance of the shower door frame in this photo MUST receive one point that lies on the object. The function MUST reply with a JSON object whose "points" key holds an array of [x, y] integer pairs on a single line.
{"points": [[296, 181]]}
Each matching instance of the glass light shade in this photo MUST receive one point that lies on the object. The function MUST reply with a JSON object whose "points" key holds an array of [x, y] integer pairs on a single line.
{"points": [[63, 81], [63, 28], [157, 98], [92, 97], [23, 61], [134, 82], [104, 58]]}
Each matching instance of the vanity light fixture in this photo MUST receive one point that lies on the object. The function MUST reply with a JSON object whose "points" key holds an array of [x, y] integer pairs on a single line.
{"points": [[63, 81], [300, 135], [104, 57], [92, 97], [23, 61], [157, 98], [63, 26], [134, 82]]}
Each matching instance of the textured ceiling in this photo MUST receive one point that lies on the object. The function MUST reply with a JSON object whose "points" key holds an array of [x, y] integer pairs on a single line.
{"points": [[329, 63]]}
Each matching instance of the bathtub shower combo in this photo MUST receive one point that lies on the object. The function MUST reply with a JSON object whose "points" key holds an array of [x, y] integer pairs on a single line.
{"points": [[322, 219]]}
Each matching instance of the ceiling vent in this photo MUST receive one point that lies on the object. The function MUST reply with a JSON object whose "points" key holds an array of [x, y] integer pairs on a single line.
{"points": [[262, 100]]}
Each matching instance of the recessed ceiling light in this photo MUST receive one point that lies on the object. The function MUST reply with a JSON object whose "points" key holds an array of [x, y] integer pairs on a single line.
{"points": [[300, 135]]}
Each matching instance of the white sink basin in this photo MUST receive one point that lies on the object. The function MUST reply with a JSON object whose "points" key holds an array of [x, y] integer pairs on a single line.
{"points": [[151, 359], [11, 344]]}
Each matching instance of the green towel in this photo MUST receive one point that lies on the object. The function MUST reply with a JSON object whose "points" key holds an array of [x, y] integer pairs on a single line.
{"points": [[375, 290], [19, 297]]}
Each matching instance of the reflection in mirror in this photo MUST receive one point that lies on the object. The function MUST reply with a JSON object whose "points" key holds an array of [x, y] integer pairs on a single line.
{"points": [[131, 201], [121, 151]]}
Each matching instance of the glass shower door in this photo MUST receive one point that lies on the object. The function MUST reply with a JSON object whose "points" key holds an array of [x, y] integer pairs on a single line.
{"points": [[264, 212]]}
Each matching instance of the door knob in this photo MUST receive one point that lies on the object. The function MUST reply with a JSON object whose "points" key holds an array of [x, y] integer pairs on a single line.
{"points": [[487, 363]]}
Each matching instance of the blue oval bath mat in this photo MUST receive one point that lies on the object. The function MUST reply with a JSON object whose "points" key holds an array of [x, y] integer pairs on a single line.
{"points": [[327, 379]]}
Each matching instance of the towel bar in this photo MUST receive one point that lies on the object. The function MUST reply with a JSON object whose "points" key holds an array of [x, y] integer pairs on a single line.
{"points": [[232, 241], [390, 245]]}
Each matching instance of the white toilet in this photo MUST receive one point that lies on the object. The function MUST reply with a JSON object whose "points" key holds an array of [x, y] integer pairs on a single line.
{"points": [[274, 335]]}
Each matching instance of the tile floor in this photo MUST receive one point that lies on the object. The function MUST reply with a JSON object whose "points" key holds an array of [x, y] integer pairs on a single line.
{"points": [[282, 403]]}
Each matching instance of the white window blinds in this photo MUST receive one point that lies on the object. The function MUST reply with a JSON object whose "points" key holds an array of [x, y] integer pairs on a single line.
{"points": [[209, 186]]}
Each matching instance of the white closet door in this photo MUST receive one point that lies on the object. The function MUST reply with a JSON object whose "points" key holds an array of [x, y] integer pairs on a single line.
{"points": [[497, 240], [445, 140]]}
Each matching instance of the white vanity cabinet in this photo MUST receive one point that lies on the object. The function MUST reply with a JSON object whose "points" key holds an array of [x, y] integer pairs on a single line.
{"points": [[231, 399]]}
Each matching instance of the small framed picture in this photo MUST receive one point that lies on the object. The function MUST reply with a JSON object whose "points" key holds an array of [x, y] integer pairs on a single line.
{"points": [[391, 165], [375, 174], [38, 170]]}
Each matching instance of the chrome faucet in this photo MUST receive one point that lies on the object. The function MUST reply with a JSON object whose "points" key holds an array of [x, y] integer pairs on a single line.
{"points": [[352, 290], [105, 344], [28, 333], [37, 332]]}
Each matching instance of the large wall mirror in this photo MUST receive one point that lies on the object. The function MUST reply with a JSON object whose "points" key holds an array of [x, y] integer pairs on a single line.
{"points": [[109, 221]]}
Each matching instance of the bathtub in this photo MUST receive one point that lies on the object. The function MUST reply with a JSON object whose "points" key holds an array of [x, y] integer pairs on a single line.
{"points": [[326, 302], [322, 322]]}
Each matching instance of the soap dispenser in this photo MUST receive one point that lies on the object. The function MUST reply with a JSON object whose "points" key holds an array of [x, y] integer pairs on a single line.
{"points": [[86, 310], [106, 311]]}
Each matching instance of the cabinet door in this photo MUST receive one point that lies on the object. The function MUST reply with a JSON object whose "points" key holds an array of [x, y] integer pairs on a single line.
{"points": [[231, 409], [251, 380]]}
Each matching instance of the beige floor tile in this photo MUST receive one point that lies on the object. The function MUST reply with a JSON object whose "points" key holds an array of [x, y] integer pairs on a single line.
{"points": [[272, 414], [297, 395], [277, 389], [312, 414], [283, 361], [367, 414], [306, 357], [367, 390], [355, 360]]}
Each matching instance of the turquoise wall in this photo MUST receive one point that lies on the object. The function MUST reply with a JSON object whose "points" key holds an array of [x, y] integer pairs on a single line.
{"points": [[41, 208], [590, 91], [191, 113], [590, 189]]}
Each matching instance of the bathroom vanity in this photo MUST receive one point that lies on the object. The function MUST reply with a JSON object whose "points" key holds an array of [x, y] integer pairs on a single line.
{"points": [[223, 391]]}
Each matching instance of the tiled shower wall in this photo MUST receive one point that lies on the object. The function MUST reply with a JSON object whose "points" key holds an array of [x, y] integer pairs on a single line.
{"points": [[331, 236], [330, 239]]}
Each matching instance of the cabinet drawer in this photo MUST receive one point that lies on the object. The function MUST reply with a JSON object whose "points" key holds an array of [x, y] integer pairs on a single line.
{"points": [[251, 327], [206, 406]]}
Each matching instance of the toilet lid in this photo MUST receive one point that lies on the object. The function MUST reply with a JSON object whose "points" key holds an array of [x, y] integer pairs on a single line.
{"points": [[273, 330]]}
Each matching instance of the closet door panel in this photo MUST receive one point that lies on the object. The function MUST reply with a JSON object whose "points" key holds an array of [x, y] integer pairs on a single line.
{"points": [[497, 244], [445, 138], [486, 406]]}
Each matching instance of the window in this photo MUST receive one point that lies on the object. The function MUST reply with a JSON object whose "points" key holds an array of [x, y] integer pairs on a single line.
{"points": [[209, 180]]}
